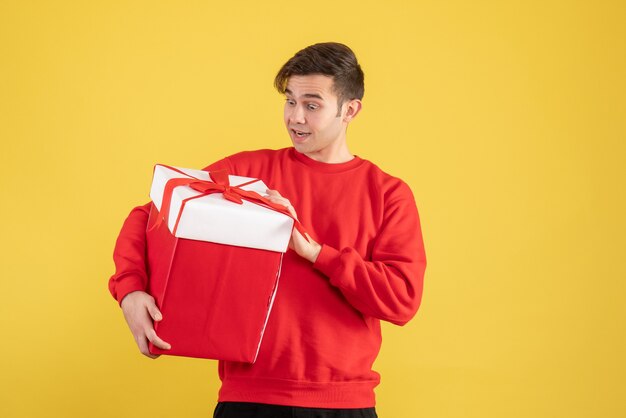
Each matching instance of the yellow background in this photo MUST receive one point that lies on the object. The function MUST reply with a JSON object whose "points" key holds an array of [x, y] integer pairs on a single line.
{"points": [[507, 119]]}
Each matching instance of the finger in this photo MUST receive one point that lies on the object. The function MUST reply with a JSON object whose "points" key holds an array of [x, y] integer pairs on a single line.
{"points": [[279, 199], [158, 342], [292, 211], [287, 204], [282, 201], [154, 312], [142, 343]]}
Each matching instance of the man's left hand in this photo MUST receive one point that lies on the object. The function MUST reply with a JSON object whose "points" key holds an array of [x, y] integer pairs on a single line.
{"points": [[306, 249]]}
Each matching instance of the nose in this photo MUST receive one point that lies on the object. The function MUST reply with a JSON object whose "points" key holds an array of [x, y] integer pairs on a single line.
{"points": [[295, 114]]}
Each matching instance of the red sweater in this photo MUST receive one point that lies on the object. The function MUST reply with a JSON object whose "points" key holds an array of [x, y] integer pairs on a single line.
{"points": [[323, 334]]}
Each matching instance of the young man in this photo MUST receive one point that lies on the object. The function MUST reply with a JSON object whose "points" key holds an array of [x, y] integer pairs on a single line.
{"points": [[364, 261]]}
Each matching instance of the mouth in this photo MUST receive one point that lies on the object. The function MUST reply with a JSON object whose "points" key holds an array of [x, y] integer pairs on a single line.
{"points": [[300, 134]]}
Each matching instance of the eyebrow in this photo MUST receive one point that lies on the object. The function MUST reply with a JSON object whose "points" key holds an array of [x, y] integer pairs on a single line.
{"points": [[307, 95]]}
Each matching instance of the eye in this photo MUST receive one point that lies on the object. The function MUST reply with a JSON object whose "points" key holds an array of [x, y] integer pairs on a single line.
{"points": [[312, 106], [290, 102]]}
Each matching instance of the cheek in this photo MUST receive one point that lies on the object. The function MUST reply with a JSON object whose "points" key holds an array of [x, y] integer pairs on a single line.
{"points": [[325, 124], [315, 122]]}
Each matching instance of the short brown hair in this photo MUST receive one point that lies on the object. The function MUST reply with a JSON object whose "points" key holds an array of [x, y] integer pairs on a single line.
{"points": [[330, 59]]}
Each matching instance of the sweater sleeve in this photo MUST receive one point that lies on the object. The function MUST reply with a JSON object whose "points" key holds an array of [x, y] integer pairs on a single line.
{"points": [[129, 254], [389, 285]]}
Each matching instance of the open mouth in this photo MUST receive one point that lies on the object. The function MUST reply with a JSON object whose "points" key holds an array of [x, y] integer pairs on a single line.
{"points": [[300, 134]]}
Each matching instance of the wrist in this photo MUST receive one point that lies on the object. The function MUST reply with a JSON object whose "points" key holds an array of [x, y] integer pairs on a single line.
{"points": [[315, 252], [128, 297]]}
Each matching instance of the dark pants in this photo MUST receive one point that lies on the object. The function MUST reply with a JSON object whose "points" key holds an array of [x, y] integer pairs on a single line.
{"points": [[259, 410]]}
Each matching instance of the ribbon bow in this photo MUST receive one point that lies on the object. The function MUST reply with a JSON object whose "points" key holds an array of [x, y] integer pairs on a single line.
{"points": [[220, 184]]}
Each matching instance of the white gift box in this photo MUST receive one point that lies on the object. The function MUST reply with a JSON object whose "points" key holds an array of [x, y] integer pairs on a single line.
{"points": [[216, 219]]}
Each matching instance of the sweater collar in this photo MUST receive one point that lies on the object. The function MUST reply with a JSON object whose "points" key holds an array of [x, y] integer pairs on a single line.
{"points": [[326, 167]]}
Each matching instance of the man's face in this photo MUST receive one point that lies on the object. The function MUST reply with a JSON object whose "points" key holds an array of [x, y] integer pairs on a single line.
{"points": [[311, 113]]}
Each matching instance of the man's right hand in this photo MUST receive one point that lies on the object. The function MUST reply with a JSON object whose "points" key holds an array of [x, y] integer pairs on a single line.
{"points": [[139, 311]]}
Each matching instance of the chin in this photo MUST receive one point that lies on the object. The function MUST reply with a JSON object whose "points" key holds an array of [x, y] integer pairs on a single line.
{"points": [[301, 147]]}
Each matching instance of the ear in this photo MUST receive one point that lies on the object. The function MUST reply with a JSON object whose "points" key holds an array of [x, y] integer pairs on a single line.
{"points": [[353, 107]]}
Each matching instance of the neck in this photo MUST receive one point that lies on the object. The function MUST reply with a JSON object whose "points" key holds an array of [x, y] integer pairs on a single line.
{"points": [[332, 154]]}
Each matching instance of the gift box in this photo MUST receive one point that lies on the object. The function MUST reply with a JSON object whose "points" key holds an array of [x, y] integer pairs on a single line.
{"points": [[214, 250], [209, 213]]}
